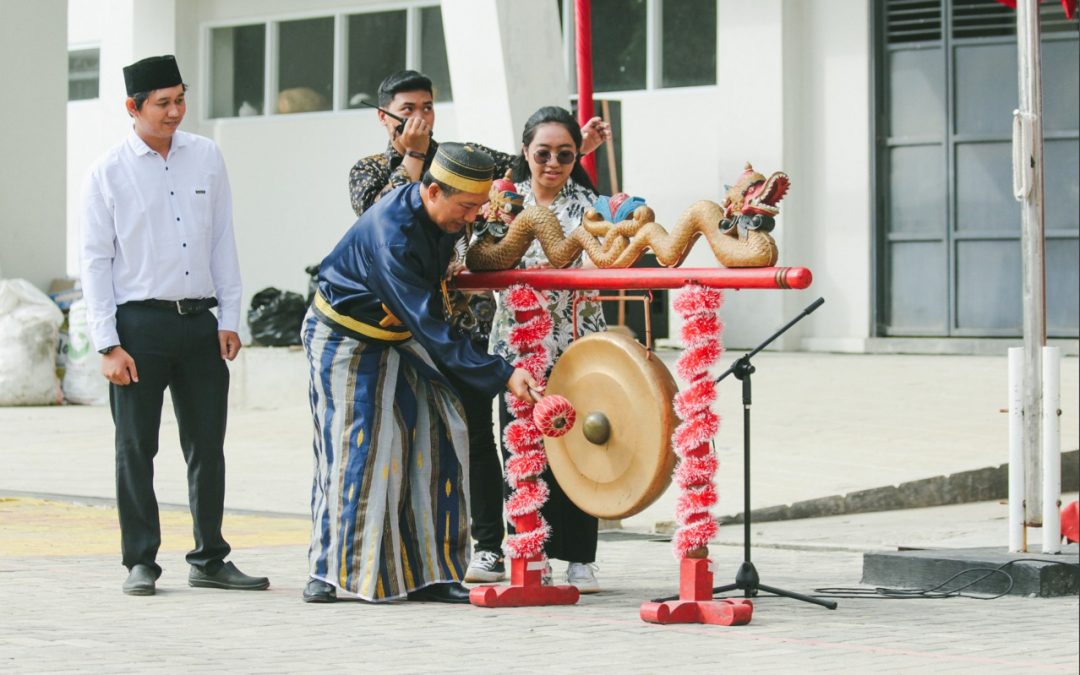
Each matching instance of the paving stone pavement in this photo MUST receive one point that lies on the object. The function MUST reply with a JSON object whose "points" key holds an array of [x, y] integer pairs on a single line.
{"points": [[63, 612], [61, 609]]}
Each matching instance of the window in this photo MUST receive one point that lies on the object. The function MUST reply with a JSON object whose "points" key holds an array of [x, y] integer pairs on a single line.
{"points": [[689, 43], [376, 49], [433, 52], [648, 44], [84, 67], [238, 62], [618, 44], [305, 68], [320, 63]]}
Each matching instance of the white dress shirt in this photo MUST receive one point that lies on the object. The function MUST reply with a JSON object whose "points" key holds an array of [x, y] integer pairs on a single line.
{"points": [[160, 228]]}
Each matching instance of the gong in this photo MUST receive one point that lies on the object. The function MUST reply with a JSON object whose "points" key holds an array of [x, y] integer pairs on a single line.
{"points": [[617, 459]]}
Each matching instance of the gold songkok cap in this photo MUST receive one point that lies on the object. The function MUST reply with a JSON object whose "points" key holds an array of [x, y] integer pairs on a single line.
{"points": [[464, 167]]}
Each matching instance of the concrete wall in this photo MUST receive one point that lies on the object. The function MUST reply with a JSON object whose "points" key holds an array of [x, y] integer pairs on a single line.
{"points": [[33, 77], [794, 95], [828, 149], [497, 89]]}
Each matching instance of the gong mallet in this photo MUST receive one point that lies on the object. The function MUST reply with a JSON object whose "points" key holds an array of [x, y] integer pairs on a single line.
{"points": [[747, 579]]}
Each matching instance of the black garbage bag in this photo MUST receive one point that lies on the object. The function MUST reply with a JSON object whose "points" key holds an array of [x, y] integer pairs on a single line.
{"points": [[275, 317], [313, 281]]}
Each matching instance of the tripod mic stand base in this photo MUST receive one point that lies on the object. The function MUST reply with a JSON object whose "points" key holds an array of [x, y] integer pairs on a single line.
{"points": [[695, 603], [748, 581]]}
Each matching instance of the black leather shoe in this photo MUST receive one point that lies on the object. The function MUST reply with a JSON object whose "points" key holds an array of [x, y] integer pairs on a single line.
{"points": [[227, 577], [318, 590], [140, 581], [445, 592]]}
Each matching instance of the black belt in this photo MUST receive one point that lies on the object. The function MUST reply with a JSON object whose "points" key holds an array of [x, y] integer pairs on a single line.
{"points": [[182, 307]]}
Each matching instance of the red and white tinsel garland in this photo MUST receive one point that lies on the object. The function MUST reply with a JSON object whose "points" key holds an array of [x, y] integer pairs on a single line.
{"points": [[701, 330], [521, 437]]}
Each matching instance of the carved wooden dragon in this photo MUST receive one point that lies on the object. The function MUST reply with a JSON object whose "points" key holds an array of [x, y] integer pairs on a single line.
{"points": [[736, 230]]}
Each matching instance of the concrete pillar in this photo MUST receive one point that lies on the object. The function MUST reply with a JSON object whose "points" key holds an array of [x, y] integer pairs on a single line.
{"points": [[506, 60], [33, 77], [126, 31], [828, 106], [133, 30]]}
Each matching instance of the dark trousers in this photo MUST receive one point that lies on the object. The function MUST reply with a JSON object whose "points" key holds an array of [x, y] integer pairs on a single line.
{"points": [[485, 473], [573, 532], [182, 354]]}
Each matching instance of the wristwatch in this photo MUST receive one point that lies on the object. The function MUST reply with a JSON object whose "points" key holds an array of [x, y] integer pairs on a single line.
{"points": [[108, 349], [415, 154]]}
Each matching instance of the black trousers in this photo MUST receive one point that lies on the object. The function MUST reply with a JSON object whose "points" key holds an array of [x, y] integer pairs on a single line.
{"points": [[485, 473], [573, 532], [180, 353]]}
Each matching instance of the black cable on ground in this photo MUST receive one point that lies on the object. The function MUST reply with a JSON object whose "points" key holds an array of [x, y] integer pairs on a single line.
{"points": [[936, 592]]}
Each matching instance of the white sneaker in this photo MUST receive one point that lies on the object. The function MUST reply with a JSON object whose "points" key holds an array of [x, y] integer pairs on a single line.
{"points": [[583, 575], [486, 566]]}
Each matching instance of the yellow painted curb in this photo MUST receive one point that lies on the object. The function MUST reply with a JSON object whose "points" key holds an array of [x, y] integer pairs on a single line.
{"points": [[40, 527]]}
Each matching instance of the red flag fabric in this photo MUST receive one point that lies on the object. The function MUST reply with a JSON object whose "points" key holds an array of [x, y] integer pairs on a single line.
{"points": [[1068, 5]]}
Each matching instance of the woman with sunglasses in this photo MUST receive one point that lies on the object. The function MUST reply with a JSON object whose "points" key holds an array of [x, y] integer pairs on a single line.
{"points": [[548, 173]]}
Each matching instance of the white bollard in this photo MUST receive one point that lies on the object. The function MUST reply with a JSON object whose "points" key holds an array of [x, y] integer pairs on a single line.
{"points": [[1051, 450], [1017, 541]]}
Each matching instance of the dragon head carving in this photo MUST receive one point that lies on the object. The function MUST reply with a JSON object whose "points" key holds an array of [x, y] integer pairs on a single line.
{"points": [[754, 201], [503, 205]]}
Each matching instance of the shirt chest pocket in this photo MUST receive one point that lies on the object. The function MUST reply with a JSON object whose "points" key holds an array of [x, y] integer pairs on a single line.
{"points": [[202, 209]]}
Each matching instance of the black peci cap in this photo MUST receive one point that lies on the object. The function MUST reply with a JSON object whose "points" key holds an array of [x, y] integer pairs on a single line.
{"points": [[155, 72]]}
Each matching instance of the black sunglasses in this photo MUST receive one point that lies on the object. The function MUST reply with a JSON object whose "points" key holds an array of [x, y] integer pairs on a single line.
{"points": [[543, 156]]}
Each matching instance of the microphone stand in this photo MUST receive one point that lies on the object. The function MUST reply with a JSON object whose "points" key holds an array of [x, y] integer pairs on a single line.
{"points": [[747, 579]]}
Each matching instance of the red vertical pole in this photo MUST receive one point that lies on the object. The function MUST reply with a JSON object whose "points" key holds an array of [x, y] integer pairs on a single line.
{"points": [[583, 48]]}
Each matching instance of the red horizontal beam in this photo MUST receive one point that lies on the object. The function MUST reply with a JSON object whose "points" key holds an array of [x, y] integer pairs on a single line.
{"points": [[643, 278]]}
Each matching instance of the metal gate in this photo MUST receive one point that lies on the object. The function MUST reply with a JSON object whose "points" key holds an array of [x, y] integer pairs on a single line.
{"points": [[947, 227]]}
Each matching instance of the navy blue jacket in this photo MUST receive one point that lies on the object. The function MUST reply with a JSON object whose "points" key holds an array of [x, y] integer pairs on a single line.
{"points": [[387, 269]]}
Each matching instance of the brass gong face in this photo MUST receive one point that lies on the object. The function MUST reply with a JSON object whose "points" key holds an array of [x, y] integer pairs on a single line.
{"points": [[617, 459]]}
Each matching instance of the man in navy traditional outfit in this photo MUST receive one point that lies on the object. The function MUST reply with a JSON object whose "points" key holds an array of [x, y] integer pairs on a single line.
{"points": [[390, 505]]}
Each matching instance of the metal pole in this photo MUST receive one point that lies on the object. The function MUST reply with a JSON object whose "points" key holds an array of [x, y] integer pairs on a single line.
{"points": [[1028, 189], [1051, 457], [583, 42], [1017, 540]]}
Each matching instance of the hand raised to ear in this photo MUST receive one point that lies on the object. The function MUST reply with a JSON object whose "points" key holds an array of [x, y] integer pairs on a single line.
{"points": [[593, 134]]}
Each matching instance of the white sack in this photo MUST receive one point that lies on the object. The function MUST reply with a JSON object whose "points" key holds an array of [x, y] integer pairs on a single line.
{"points": [[29, 325], [83, 382]]}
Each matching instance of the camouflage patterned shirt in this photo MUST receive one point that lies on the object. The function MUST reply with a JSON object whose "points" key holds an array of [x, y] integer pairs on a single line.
{"points": [[374, 176]]}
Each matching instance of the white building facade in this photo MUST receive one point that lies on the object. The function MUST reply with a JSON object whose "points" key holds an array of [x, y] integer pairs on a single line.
{"points": [[837, 93]]}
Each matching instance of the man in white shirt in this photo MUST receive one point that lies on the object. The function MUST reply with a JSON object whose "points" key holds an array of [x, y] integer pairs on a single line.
{"points": [[157, 254]]}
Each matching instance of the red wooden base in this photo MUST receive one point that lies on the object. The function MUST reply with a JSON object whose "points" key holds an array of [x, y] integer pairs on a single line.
{"points": [[695, 603], [525, 589]]}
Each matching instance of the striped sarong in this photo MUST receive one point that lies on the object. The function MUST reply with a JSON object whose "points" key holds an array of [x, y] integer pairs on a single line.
{"points": [[389, 502]]}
